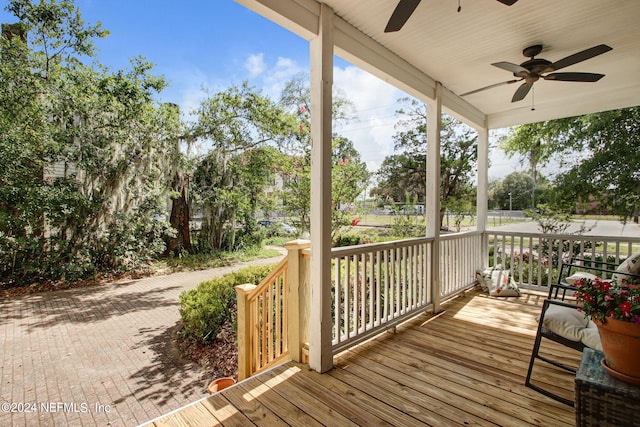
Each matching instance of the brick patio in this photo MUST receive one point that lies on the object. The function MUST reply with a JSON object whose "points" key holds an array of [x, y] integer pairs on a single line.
{"points": [[106, 352]]}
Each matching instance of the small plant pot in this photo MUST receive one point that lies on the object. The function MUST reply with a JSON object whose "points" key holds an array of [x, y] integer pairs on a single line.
{"points": [[220, 384]]}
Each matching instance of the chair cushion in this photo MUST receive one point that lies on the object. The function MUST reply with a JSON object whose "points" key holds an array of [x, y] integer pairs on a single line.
{"points": [[498, 282], [565, 321], [591, 336]]}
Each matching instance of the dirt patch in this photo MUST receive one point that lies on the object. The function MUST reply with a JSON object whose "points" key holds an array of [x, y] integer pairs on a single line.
{"points": [[8, 291], [218, 358]]}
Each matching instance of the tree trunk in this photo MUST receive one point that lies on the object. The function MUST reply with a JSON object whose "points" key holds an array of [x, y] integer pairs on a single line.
{"points": [[179, 219]]}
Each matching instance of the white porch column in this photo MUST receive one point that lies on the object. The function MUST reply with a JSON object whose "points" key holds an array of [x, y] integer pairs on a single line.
{"points": [[432, 202], [320, 352], [482, 207]]}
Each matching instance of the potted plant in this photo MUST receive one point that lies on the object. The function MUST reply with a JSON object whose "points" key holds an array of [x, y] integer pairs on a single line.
{"points": [[614, 306]]}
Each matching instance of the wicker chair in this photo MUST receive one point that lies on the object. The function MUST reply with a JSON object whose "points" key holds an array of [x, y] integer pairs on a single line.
{"points": [[561, 322]]}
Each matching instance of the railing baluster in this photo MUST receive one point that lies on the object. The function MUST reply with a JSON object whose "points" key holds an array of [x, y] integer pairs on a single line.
{"points": [[285, 318], [371, 294], [278, 329], [362, 299], [375, 283], [264, 331], [337, 301]]}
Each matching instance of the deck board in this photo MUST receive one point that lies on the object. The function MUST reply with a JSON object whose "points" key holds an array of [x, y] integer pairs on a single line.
{"points": [[465, 366]]}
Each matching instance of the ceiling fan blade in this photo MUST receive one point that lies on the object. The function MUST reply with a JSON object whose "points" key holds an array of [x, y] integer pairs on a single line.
{"points": [[491, 86], [521, 92], [508, 2], [574, 77], [579, 57], [401, 14], [514, 68]]}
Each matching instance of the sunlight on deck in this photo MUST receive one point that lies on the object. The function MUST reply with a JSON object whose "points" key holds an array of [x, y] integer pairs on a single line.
{"points": [[269, 384], [464, 366]]}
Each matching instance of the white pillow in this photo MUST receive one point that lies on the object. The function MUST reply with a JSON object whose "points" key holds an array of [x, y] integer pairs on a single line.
{"points": [[567, 322], [630, 265], [498, 283], [579, 275]]}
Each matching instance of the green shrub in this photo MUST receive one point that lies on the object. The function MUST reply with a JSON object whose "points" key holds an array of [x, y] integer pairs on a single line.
{"points": [[348, 240], [207, 308]]}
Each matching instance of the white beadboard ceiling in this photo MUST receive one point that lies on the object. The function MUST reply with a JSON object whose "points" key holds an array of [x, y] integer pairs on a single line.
{"points": [[456, 49]]}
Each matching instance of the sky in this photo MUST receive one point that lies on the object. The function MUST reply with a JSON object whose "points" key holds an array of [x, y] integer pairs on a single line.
{"points": [[216, 44]]}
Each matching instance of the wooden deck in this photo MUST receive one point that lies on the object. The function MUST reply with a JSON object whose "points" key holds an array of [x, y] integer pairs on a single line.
{"points": [[465, 366]]}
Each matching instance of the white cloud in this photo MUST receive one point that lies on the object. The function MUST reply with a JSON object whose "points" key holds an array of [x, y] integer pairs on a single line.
{"points": [[375, 102], [275, 77], [255, 64]]}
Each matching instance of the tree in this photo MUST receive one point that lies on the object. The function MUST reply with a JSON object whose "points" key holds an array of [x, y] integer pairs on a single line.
{"points": [[82, 151], [407, 169], [594, 153], [349, 177], [532, 142], [238, 124], [349, 173], [516, 191], [402, 175]]}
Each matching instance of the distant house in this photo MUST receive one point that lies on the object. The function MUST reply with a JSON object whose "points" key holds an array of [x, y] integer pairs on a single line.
{"points": [[591, 206]]}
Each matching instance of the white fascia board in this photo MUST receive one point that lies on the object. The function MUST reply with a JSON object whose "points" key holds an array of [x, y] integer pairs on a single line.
{"points": [[355, 47], [298, 16], [457, 107], [622, 98]]}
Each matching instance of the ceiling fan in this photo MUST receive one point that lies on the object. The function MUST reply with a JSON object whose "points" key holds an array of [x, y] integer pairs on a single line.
{"points": [[405, 9], [535, 68]]}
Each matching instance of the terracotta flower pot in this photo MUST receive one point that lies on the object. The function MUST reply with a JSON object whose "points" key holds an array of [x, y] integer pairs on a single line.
{"points": [[621, 346], [220, 384]]}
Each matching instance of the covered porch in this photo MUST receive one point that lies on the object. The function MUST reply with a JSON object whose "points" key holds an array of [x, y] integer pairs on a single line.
{"points": [[458, 357], [465, 366], [440, 57]]}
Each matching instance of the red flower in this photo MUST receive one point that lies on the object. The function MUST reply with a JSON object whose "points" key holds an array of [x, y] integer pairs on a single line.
{"points": [[355, 222], [625, 308]]}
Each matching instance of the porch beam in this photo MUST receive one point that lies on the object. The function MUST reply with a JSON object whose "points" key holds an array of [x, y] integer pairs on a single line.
{"points": [[482, 204], [321, 46], [432, 201]]}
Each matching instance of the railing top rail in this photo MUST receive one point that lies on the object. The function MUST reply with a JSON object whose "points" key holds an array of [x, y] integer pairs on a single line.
{"points": [[453, 236], [622, 239], [267, 280], [371, 247]]}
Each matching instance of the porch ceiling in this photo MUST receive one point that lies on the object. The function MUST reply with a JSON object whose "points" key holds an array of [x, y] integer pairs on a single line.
{"points": [[457, 49]]}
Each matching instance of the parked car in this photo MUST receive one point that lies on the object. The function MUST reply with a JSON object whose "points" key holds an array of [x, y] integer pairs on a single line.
{"points": [[278, 225]]}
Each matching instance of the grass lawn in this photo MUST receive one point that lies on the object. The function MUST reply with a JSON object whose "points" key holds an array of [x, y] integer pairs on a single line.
{"points": [[468, 220], [191, 262]]}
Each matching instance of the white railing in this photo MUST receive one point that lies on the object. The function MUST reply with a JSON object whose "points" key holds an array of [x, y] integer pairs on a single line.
{"points": [[376, 286], [534, 259], [460, 258]]}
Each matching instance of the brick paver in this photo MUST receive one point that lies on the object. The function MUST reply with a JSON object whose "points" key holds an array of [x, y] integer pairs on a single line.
{"points": [[102, 356]]}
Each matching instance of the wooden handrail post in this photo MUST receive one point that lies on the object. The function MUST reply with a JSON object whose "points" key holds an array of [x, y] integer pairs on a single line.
{"points": [[244, 331], [298, 303]]}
